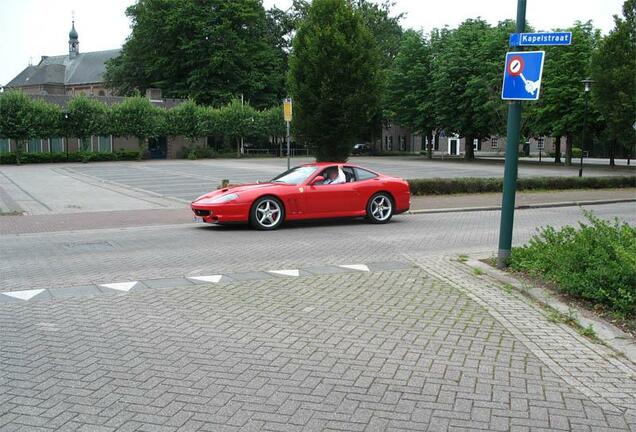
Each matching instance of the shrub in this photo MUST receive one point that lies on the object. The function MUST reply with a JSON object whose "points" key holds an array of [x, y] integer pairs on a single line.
{"points": [[194, 153], [479, 185], [576, 152], [32, 158], [596, 263]]}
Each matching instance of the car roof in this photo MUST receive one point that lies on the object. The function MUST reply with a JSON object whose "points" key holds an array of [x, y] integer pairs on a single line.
{"points": [[321, 164]]}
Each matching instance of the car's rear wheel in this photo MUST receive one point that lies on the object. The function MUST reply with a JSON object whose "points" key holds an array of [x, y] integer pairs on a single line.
{"points": [[267, 213], [380, 208]]}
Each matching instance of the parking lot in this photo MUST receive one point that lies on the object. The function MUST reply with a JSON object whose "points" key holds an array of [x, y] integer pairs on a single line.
{"points": [[186, 180]]}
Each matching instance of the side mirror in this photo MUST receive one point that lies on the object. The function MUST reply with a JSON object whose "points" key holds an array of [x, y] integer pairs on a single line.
{"points": [[317, 179]]}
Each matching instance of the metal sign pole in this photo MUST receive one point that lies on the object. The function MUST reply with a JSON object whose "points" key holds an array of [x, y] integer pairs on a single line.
{"points": [[510, 168], [288, 139], [287, 115]]}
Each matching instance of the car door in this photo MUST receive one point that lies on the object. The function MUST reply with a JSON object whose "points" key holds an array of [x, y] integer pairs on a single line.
{"points": [[365, 185], [329, 200]]}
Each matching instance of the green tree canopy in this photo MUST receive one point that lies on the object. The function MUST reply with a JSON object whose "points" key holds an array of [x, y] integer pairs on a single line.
{"points": [[210, 50], [237, 120], [408, 96], [187, 119], [559, 111], [18, 116], [137, 117], [613, 66], [467, 79], [85, 117], [333, 78]]}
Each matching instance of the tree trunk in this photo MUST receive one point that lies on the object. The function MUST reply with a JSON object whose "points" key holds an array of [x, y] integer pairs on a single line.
{"points": [[468, 148], [429, 144], [18, 151], [557, 150], [437, 139], [612, 162], [142, 148], [568, 150]]}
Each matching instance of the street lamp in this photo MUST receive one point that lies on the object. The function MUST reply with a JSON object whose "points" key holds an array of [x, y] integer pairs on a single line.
{"points": [[587, 86]]}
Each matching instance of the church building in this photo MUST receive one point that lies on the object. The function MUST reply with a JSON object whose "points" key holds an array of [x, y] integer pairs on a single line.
{"points": [[69, 74]]}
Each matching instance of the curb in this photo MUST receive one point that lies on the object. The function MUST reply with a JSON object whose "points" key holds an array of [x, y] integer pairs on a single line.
{"points": [[608, 334], [523, 207]]}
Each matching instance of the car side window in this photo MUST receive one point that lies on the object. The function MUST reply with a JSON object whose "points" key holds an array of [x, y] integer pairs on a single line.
{"points": [[349, 174], [363, 174], [325, 173]]}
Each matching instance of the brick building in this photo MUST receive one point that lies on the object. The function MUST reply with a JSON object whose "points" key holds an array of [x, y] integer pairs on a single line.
{"points": [[56, 79], [396, 138]]}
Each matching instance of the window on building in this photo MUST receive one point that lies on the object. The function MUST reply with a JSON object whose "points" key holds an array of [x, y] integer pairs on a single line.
{"points": [[34, 145], [403, 143], [105, 144], [390, 143], [477, 144], [494, 143], [386, 143], [85, 145], [4, 145], [57, 146], [436, 143], [101, 93]]}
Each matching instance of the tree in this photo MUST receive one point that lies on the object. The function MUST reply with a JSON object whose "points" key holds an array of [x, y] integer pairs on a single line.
{"points": [[187, 119], [137, 117], [210, 50], [272, 125], [17, 118], [333, 78], [387, 33], [237, 121], [85, 117], [408, 96], [467, 80], [559, 111], [613, 66]]}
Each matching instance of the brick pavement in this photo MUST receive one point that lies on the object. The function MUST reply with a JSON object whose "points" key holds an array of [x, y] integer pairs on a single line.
{"points": [[386, 350]]}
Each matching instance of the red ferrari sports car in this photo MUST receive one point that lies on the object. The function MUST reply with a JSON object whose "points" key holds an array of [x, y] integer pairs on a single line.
{"points": [[311, 191]]}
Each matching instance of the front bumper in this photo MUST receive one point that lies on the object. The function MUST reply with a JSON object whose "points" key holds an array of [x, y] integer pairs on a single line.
{"points": [[221, 213]]}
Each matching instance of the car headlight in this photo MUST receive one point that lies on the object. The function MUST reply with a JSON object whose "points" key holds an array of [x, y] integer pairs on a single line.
{"points": [[225, 198]]}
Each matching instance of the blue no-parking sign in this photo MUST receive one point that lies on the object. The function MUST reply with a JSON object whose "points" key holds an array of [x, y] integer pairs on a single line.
{"points": [[522, 75]]}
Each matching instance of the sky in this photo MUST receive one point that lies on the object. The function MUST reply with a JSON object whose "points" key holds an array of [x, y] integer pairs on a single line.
{"points": [[30, 29]]}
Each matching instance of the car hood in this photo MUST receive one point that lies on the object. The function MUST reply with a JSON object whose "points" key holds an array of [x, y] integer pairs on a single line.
{"points": [[235, 189]]}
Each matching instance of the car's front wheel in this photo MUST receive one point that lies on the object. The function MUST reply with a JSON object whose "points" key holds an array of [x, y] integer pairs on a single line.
{"points": [[380, 208], [267, 213]]}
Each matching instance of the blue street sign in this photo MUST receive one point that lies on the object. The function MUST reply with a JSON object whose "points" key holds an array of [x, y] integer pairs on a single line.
{"points": [[529, 39], [522, 75]]}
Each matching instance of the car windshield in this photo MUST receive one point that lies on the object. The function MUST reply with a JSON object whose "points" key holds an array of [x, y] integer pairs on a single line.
{"points": [[295, 175]]}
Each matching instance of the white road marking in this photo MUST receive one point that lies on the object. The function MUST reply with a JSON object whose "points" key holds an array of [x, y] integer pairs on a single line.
{"points": [[294, 273], [212, 278], [359, 267], [120, 286], [23, 295]]}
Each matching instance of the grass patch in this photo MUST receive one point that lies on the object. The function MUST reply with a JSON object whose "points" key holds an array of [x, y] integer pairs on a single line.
{"points": [[571, 319], [439, 186], [595, 263], [477, 271]]}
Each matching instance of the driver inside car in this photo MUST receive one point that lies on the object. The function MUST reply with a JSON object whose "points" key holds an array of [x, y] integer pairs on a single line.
{"points": [[335, 176]]}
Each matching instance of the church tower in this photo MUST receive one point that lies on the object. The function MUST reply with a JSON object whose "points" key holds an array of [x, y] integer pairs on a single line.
{"points": [[73, 42]]}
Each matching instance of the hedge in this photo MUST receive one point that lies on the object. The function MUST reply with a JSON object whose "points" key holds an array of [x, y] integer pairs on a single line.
{"points": [[438, 186], [596, 262], [34, 158]]}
